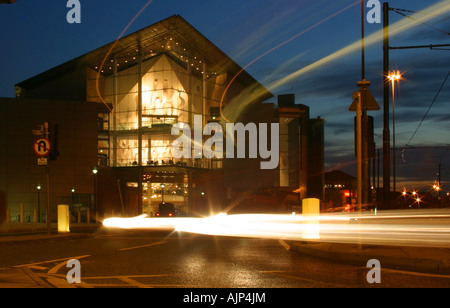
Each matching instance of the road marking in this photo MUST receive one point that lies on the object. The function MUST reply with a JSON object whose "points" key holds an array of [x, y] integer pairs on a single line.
{"points": [[59, 282], [36, 267], [143, 246], [51, 278], [412, 273], [284, 244], [133, 282], [50, 261], [36, 277], [285, 274], [128, 281]]}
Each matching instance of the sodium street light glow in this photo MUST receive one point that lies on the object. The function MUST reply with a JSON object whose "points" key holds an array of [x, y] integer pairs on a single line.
{"points": [[395, 76]]}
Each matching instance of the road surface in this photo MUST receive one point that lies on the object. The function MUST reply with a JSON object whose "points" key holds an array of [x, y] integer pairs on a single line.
{"points": [[165, 259]]}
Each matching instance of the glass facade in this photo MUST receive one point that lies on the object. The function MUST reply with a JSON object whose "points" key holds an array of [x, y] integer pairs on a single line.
{"points": [[143, 111], [137, 130]]}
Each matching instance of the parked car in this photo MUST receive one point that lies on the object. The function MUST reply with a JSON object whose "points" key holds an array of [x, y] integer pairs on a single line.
{"points": [[166, 210]]}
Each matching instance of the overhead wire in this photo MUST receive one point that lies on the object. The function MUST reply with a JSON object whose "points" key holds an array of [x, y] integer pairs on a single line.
{"points": [[400, 12], [424, 117]]}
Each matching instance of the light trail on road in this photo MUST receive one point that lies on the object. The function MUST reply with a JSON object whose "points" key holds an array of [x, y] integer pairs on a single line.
{"points": [[408, 228]]}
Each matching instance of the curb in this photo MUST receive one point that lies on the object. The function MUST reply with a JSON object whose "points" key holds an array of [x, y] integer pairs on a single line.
{"points": [[15, 239], [422, 265], [21, 228]]}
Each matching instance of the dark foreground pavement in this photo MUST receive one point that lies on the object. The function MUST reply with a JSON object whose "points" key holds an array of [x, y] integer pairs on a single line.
{"points": [[431, 260]]}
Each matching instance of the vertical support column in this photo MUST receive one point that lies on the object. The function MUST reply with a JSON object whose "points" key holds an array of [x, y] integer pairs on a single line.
{"points": [[204, 94], [386, 132], [190, 106], [114, 117], [139, 135], [206, 162], [365, 157], [359, 169]]}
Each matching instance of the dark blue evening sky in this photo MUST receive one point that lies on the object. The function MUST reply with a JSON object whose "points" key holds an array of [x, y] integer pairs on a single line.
{"points": [[35, 36]]}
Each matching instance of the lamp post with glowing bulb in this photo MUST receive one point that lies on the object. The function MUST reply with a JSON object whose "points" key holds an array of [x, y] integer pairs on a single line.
{"points": [[437, 189], [38, 187], [393, 77], [95, 171]]}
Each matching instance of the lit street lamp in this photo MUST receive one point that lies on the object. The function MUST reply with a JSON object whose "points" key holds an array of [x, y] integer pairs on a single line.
{"points": [[39, 203], [393, 77], [95, 171], [73, 198], [437, 188]]}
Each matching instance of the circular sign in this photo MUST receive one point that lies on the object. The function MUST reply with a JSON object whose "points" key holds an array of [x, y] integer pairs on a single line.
{"points": [[41, 147]]}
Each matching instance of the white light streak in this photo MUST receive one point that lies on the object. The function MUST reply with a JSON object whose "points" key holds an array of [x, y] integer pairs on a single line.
{"points": [[416, 227]]}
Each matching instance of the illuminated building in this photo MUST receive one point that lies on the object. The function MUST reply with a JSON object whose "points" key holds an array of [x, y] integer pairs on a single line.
{"points": [[142, 84]]}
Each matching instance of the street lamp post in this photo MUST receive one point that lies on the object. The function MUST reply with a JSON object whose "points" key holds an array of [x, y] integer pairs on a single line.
{"points": [[73, 198], [39, 203], [95, 171], [437, 189], [393, 77]]}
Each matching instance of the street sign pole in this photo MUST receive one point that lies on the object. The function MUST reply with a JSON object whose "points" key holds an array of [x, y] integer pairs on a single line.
{"points": [[363, 101], [47, 174], [359, 152]]}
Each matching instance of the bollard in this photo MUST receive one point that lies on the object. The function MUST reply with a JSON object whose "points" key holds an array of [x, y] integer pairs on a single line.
{"points": [[63, 218], [311, 212]]}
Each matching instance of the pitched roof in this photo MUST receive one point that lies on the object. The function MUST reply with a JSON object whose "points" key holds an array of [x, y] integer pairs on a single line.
{"points": [[174, 36]]}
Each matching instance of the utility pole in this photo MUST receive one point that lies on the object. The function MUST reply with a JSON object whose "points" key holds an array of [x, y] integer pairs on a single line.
{"points": [[386, 133], [363, 101], [361, 116], [439, 183], [358, 151]]}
